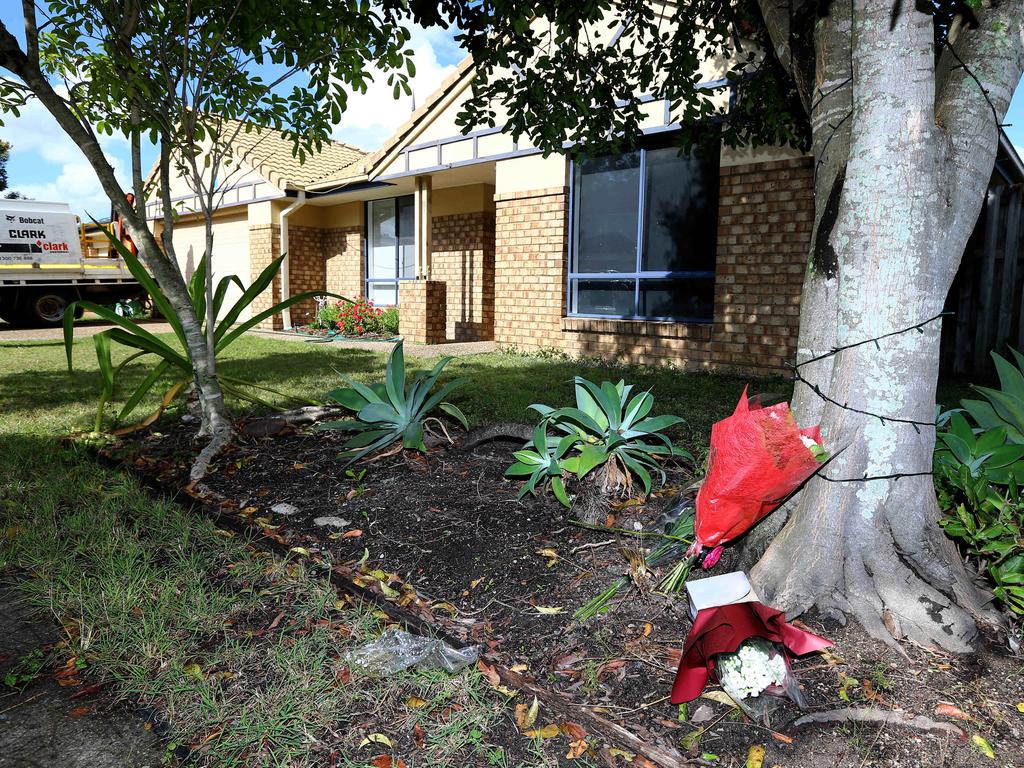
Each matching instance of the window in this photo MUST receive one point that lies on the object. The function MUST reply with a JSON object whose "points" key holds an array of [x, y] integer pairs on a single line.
{"points": [[390, 247], [645, 228]]}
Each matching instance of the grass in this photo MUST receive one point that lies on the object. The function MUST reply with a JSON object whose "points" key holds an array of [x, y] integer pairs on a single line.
{"points": [[176, 614]]}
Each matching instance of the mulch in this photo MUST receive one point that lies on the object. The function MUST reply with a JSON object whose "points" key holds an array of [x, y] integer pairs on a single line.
{"points": [[446, 529]]}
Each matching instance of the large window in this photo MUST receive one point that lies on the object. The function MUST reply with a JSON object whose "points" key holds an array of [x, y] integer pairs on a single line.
{"points": [[390, 247], [645, 229]]}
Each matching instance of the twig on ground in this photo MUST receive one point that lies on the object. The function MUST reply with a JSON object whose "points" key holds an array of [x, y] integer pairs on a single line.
{"points": [[882, 717], [592, 545], [17, 704]]}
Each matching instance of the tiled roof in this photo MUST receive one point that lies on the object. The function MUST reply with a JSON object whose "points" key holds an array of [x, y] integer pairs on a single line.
{"points": [[270, 152]]}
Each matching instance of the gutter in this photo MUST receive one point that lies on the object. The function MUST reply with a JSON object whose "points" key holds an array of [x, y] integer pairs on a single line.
{"points": [[282, 218]]}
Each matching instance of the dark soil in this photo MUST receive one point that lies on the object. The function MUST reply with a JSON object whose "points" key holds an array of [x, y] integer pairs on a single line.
{"points": [[449, 525]]}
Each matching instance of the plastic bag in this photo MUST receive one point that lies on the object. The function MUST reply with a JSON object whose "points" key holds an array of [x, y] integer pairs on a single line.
{"points": [[757, 677], [397, 649], [758, 457]]}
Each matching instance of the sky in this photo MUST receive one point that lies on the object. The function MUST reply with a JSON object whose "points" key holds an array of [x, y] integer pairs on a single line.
{"points": [[46, 165]]}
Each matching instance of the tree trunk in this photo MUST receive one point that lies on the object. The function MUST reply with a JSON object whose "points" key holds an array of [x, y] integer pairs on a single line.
{"points": [[871, 549]]}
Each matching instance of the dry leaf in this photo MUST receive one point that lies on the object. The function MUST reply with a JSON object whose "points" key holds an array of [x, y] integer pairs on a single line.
{"points": [[1020, 707], [519, 667], [545, 732], [948, 710], [527, 716], [419, 736], [642, 762], [577, 749], [376, 738], [490, 673], [79, 711], [546, 611], [982, 746], [616, 752], [353, 534], [755, 756], [648, 628], [720, 697], [782, 737], [574, 731], [414, 702], [550, 554]]}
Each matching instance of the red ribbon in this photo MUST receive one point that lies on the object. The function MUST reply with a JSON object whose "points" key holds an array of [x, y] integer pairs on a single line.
{"points": [[724, 629]]}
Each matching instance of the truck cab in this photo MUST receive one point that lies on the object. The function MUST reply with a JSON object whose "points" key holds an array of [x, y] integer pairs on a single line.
{"points": [[48, 261]]}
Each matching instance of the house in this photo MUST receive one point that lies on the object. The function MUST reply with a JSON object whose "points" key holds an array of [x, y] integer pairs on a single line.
{"points": [[646, 257]]}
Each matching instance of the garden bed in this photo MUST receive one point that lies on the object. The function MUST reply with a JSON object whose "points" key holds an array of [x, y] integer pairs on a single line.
{"points": [[448, 528]]}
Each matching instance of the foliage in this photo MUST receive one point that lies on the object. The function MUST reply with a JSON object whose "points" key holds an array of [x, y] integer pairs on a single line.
{"points": [[607, 429], [541, 463], [172, 359], [357, 318], [393, 410], [327, 314], [389, 321], [978, 474]]}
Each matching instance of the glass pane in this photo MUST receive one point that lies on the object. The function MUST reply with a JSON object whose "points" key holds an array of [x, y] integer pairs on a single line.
{"points": [[680, 212], [692, 299], [383, 238], [406, 236], [383, 294], [607, 204], [603, 297]]}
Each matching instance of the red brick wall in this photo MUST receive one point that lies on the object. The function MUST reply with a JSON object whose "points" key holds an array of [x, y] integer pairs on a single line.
{"points": [[422, 311], [462, 256], [765, 217], [345, 265], [306, 269], [264, 247]]}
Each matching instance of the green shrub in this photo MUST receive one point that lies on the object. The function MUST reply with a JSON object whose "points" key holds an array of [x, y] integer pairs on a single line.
{"points": [[389, 321], [607, 431], [977, 474], [327, 315], [392, 411]]}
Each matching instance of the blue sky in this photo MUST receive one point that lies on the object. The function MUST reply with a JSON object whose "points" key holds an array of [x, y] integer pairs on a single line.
{"points": [[46, 165]]}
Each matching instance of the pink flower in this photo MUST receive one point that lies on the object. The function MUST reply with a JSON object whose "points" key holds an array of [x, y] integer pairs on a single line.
{"points": [[711, 558]]}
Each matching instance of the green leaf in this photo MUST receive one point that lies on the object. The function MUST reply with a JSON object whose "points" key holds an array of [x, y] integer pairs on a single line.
{"points": [[558, 488], [348, 397], [590, 456], [380, 413], [519, 469], [455, 413], [394, 379]]}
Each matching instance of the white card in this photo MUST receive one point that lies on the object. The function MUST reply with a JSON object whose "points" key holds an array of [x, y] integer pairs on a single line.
{"points": [[714, 591]]}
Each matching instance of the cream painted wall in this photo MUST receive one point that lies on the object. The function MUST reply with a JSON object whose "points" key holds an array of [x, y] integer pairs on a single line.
{"points": [[521, 174], [468, 199], [230, 250]]}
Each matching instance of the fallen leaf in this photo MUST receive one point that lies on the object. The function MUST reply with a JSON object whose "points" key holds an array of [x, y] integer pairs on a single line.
{"points": [[300, 550], [355, 533], [948, 710], [79, 711], [414, 702], [702, 714], [642, 762], [386, 761], [616, 752], [87, 691], [475, 583], [982, 746], [526, 716], [574, 731], [276, 621], [447, 607], [490, 673], [504, 690], [550, 554], [720, 697], [418, 736], [545, 732], [648, 628], [577, 749], [548, 611], [755, 756], [1020, 707], [782, 737], [376, 738], [519, 667], [193, 670]]}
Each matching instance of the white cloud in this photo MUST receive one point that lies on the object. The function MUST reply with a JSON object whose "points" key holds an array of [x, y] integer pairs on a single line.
{"points": [[373, 116], [62, 174]]}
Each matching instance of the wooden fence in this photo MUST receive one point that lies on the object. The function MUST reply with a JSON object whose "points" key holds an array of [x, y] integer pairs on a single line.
{"points": [[987, 294]]}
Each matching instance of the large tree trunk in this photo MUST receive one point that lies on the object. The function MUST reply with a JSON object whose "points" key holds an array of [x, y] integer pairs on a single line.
{"points": [[871, 549]]}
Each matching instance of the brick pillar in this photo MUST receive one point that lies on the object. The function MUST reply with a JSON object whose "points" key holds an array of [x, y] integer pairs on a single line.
{"points": [[423, 311], [463, 257], [264, 247], [530, 268], [344, 262]]}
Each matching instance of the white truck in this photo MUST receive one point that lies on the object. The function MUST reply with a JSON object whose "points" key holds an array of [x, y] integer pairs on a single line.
{"points": [[47, 261]]}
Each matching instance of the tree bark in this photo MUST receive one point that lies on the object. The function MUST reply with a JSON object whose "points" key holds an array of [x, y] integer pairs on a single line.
{"points": [[871, 549]]}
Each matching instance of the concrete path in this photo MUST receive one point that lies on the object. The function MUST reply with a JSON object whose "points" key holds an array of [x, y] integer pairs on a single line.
{"points": [[41, 726]]}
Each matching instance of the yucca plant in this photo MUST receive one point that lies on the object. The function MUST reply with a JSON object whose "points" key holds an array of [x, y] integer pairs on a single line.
{"points": [[172, 357], [393, 410], [611, 439]]}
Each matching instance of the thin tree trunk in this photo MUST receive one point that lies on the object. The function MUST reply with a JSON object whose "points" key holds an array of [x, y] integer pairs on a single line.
{"points": [[871, 549]]}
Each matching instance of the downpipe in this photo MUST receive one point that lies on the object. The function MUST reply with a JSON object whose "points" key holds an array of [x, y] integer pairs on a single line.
{"points": [[286, 315]]}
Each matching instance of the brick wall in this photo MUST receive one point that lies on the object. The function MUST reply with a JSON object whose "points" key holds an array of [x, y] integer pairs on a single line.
{"points": [[345, 265], [264, 247], [530, 260], [422, 311], [306, 269], [765, 217], [462, 256]]}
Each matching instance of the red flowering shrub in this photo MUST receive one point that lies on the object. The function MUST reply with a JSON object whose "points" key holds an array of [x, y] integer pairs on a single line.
{"points": [[356, 318]]}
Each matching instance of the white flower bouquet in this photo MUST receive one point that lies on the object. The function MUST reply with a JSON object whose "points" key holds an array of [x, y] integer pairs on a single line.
{"points": [[756, 671]]}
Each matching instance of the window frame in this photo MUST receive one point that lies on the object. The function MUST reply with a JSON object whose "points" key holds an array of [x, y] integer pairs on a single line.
{"points": [[638, 274], [367, 223]]}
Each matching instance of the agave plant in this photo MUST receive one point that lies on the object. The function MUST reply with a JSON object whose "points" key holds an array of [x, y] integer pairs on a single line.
{"points": [[173, 359], [612, 430], [393, 410], [541, 462], [1003, 407]]}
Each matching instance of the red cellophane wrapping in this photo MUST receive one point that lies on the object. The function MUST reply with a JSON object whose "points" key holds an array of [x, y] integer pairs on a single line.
{"points": [[756, 460]]}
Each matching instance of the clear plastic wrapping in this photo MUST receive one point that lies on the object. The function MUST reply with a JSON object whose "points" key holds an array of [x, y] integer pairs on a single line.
{"points": [[397, 649], [758, 677]]}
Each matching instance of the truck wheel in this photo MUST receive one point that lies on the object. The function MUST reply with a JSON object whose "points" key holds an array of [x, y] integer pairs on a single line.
{"points": [[45, 308]]}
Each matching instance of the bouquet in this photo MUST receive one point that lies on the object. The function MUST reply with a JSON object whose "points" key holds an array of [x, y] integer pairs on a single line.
{"points": [[756, 670], [759, 457]]}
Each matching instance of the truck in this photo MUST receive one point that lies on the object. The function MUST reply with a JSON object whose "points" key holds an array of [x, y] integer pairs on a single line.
{"points": [[49, 260]]}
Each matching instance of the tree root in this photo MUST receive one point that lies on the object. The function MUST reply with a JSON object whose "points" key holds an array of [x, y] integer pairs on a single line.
{"points": [[882, 717], [509, 430], [266, 426], [211, 450]]}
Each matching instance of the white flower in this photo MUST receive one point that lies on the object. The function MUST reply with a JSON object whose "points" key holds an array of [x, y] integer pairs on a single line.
{"points": [[808, 441], [755, 666]]}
